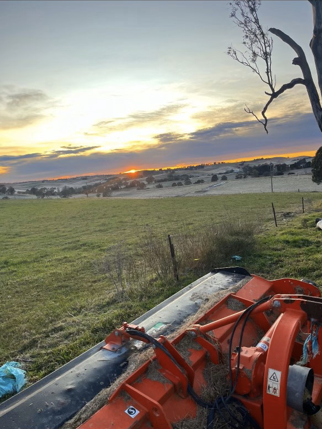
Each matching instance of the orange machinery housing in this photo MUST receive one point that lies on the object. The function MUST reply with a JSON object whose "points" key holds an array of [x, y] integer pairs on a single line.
{"points": [[274, 367]]}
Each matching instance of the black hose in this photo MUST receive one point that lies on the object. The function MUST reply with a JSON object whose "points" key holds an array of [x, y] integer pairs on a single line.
{"points": [[246, 313], [246, 417], [221, 402]]}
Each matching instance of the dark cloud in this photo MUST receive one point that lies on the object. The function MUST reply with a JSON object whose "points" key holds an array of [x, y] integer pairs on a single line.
{"points": [[23, 98], [210, 133], [168, 137], [220, 129], [136, 119], [70, 146], [297, 133], [67, 150], [20, 107], [8, 158]]}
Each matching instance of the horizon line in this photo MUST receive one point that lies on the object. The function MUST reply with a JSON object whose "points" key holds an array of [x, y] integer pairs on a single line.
{"points": [[177, 166]]}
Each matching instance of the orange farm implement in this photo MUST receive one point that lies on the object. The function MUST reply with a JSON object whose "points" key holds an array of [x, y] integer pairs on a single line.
{"points": [[264, 334]]}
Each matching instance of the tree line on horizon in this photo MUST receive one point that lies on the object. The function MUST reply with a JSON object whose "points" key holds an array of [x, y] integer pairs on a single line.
{"points": [[140, 182]]}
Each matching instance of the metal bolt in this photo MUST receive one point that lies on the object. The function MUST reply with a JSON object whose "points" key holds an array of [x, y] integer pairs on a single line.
{"points": [[276, 304], [116, 333]]}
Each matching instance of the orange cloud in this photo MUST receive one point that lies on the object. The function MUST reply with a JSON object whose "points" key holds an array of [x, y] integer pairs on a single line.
{"points": [[4, 170], [284, 155]]}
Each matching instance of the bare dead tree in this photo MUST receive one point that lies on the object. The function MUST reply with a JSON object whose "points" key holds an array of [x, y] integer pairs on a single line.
{"points": [[258, 55]]}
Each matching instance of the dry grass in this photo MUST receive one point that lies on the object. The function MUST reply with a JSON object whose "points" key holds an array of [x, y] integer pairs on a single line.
{"points": [[134, 271], [197, 423], [185, 345], [216, 379]]}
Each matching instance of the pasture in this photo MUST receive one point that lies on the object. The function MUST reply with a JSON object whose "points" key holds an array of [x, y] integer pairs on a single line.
{"points": [[55, 302]]}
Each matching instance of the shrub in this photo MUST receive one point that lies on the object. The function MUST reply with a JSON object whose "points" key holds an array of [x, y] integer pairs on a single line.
{"points": [[10, 190], [141, 186], [107, 193]]}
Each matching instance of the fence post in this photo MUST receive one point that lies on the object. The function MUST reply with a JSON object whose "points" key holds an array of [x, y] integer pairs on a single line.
{"points": [[274, 214], [303, 205], [173, 257], [271, 173]]}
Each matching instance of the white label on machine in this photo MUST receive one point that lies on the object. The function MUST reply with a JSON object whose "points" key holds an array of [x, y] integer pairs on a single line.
{"points": [[132, 412], [274, 382]]}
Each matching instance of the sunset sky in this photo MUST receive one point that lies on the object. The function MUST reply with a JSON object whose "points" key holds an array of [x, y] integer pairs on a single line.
{"points": [[99, 87]]}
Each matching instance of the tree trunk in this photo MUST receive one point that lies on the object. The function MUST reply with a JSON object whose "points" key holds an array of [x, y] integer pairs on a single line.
{"points": [[316, 41], [301, 61]]}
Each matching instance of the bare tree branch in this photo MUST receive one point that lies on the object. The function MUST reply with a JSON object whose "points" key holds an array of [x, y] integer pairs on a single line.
{"points": [[264, 123], [286, 86], [258, 44], [242, 59], [275, 94], [260, 47], [301, 61]]}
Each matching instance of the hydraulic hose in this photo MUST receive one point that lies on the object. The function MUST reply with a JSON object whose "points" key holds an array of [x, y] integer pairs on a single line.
{"points": [[221, 403]]}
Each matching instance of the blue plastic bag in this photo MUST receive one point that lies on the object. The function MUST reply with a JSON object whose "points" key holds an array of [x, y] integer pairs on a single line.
{"points": [[12, 378]]}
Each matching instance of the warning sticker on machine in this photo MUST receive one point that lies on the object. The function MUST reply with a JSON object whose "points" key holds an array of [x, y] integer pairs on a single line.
{"points": [[132, 412], [274, 382], [263, 346]]}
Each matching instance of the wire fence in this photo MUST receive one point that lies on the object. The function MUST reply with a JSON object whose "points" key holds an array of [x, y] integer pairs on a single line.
{"points": [[172, 256]]}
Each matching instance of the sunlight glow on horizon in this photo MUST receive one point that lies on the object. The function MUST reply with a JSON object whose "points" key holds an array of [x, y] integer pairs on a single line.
{"points": [[280, 155], [209, 162], [4, 170]]}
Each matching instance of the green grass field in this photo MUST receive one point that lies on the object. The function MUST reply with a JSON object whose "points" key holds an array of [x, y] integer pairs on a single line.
{"points": [[54, 303]]}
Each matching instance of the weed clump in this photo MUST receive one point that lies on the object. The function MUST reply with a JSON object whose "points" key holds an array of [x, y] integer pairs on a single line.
{"points": [[137, 273]]}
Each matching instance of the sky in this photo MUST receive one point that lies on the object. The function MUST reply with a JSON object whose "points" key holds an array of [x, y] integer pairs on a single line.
{"points": [[102, 87]]}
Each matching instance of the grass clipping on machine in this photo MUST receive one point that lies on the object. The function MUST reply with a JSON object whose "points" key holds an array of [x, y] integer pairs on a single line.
{"points": [[216, 376], [217, 385]]}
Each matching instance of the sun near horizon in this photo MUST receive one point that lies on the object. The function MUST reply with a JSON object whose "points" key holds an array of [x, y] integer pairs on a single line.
{"points": [[131, 171], [180, 166]]}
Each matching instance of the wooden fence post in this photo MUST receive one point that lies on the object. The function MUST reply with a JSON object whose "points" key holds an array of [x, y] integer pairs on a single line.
{"points": [[303, 205], [274, 214], [173, 257]]}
